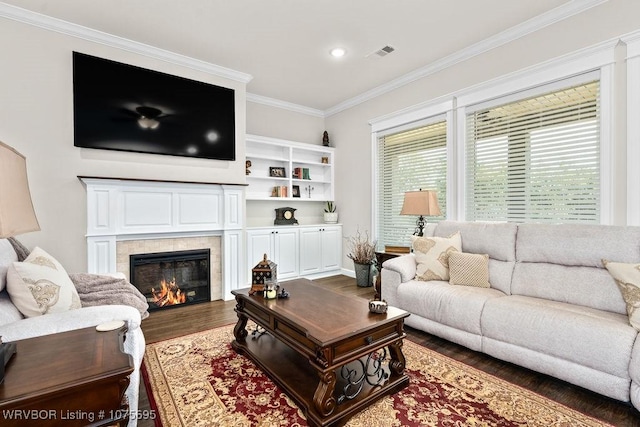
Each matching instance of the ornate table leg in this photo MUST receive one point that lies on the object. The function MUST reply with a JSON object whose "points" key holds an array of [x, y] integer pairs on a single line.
{"points": [[397, 362], [240, 330], [323, 398]]}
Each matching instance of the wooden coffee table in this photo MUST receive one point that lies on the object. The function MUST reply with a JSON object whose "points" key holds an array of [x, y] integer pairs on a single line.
{"points": [[323, 348]]}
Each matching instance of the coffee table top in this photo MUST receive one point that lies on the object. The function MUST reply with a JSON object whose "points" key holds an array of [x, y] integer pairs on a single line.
{"points": [[326, 316]]}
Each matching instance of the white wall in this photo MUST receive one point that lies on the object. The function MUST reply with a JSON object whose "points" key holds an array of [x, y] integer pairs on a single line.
{"points": [[353, 134], [36, 118]]}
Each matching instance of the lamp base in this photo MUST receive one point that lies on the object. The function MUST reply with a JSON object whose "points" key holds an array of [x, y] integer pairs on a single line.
{"points": [[420, 223]]}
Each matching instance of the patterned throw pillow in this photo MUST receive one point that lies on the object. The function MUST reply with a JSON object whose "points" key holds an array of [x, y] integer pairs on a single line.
{"points": [[432, 256], [627, 277], [469, 269], [40, 285]]}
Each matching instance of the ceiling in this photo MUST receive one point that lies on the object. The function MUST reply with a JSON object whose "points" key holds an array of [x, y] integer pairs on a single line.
{"points": [[285, 44]]}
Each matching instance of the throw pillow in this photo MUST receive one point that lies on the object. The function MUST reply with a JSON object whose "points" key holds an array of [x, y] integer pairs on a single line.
{"points": [[432, 256], [40, 285], [627, 277], [469, 269]]}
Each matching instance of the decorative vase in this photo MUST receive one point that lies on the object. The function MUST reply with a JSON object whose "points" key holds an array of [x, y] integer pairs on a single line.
{"points": [[331, 217], [364, 278]]}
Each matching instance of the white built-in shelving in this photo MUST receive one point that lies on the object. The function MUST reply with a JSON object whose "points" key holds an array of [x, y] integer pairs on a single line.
{"points": [[266, 153]]}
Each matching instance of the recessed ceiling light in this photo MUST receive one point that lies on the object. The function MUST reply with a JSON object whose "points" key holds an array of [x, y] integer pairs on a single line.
{"points": [[338, 52]]}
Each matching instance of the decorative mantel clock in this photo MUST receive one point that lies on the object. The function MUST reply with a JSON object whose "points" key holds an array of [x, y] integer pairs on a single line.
{"points": [[284, 216]]}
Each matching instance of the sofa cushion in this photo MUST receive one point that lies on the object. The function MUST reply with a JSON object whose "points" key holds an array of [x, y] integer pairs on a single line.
{"points": [[432, 256], [7, 257], [8, 311], [456, 306], [594, 338], [564, 263], [577, 245], [40, 285], [498, 240], [469, 269], [627, 277]]}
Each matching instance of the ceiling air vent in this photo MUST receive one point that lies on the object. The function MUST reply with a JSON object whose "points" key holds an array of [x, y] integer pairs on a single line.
{"points": [[381, 52]]}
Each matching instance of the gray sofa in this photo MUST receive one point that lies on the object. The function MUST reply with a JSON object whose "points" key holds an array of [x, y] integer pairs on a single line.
{"points": [[552, 306]]}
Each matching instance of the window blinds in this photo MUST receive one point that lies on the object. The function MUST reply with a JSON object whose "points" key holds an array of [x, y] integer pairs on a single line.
{"points": [[409, 160], [535, 160]]}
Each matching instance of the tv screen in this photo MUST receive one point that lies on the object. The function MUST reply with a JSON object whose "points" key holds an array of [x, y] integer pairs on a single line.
{"points": [[122, 107]]}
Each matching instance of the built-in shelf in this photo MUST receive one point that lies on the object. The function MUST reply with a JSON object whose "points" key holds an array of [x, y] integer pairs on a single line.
{"points": [[266, 153]]}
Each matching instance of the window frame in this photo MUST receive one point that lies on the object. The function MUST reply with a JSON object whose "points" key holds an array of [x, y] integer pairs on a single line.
{"points": [[596, 59], [420, 116]]}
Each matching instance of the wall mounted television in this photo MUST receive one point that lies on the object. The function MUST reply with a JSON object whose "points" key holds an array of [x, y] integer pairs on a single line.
{"points": [[127, 108]]}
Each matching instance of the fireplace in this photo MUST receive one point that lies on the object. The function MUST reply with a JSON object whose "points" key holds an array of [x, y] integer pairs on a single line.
{"points": [[172, 279]]}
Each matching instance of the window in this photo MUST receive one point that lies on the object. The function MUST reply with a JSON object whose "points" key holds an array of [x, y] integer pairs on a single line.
{"points": [[409, 160], [535, 159]]}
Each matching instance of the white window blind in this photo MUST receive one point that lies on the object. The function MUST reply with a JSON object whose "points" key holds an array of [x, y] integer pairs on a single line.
{"points": [[536, 159], [409, 160]]}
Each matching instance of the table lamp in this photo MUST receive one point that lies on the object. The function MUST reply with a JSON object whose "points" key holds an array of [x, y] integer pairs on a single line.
{"points": [[16, 214], [420, 203]]}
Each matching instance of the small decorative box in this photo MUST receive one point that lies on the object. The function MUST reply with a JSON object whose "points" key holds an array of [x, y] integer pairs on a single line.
{"points": [[378, 306], [264, 270]]}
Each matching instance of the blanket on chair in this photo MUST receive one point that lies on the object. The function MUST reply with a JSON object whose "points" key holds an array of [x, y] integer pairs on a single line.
{"points": [[95, 289]]}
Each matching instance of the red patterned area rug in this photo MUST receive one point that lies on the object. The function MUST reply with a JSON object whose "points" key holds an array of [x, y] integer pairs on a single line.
{"points": [[199, 380]]}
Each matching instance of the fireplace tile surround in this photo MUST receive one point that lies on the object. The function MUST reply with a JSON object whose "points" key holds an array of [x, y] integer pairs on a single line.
{"points": [[127, 216], [132, 247]]}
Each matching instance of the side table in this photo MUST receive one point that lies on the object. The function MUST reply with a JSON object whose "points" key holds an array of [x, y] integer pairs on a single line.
{"points": [[381, 257], [74, 378]]}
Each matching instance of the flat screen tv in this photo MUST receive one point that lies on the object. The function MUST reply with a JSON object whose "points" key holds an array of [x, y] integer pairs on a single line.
{"points": [[122, 107]]}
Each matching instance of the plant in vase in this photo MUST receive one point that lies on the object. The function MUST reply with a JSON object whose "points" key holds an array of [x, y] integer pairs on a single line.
{"points": [[363, 253], [330, 214]]}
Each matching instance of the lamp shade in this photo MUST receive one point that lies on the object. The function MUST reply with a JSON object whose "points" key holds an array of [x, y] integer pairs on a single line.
{"points": [[420, 203], [16, 208]]}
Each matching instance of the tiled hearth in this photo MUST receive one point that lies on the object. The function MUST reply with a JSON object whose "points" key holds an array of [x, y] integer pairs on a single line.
{"points": [[127, 216]]}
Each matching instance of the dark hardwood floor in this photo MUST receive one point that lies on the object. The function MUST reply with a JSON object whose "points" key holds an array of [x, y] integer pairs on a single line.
{"points": [[162, 325]]}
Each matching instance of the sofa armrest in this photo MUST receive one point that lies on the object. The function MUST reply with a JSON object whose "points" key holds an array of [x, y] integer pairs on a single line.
{"points": [[404, 265], [69, 320]]}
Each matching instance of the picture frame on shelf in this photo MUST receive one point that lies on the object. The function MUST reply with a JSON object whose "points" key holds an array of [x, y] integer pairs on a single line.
{"points": [[295, 191], [277, 172]]}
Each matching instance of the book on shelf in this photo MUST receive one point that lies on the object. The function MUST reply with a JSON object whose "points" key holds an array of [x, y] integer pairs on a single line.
{"points": [[280, 191], [305, 173]]}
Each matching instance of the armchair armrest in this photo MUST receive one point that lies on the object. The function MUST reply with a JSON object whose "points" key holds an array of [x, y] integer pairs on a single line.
{"points": [[69, 320], [404, 265]]}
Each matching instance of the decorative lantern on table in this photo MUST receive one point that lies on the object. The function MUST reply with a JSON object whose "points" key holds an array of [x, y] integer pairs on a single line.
{"points": [[263, 271]]}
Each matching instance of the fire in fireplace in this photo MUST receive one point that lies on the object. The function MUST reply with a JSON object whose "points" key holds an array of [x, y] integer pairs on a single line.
{"points": [[172, 279]]}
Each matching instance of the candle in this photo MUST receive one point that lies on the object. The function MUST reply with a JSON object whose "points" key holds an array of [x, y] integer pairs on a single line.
{"points": [[270, 294]]}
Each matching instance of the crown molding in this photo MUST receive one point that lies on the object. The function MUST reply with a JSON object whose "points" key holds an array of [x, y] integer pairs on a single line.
{"points": [[95, 36], [632, 40], [536, 23], [272, 102]]}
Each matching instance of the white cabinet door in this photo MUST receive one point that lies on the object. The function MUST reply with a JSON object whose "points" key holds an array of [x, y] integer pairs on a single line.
{"points": [[287, 252], [310, 250], [259, 242], [298, 251], [331, 248]]}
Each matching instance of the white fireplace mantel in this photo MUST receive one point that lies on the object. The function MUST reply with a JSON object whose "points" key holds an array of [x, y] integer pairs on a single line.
{"points": [[121, 209]]}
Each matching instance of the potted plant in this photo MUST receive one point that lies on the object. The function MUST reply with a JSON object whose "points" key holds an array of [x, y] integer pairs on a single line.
{"points": [[330, 214], [363, 253]]}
